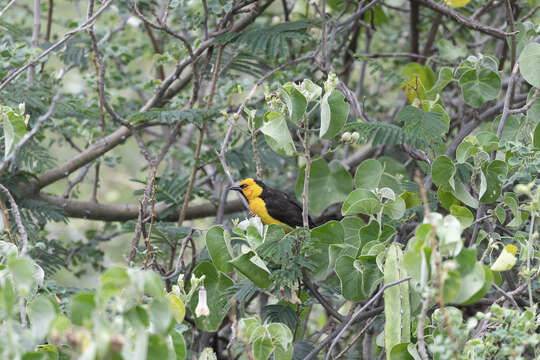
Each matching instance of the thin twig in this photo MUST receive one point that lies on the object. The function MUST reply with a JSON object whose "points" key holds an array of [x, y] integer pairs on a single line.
{"points": [[360, 317], [180, 259], [353, 318], [77, 180], [508, 296], [18, 220], [527, 105], [355, 339]]}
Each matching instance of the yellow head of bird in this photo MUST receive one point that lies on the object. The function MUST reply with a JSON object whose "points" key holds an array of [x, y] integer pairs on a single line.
{"points": [[249, 187]]}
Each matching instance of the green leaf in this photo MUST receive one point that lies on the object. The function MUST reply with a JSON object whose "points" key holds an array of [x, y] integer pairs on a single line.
{"points": [[488, 281], [41, 313], [153, 285], [160, 315], [218, 248], [479, 86], [493, 184], [328, 184], [446, 198], [14, 128], [350, 279], [533, 113], [157, 347], [262, 348], [334, 112], [395, 209], [536, 136], [451, 286], [177, 307], [295, 101], [470, 284], [323, 237], [281, 334], [361, 201], [465, 150], [249, 269], [277, 135], [404, 351], [463, 195], [7, 297], [368, 174], [82, 308], [179, 345], [488, 141], [443, 79], [397, 311], [351, 226], [216, 285], [442, 172], [277, 313], [22, 270], [310, 90], [466, 261], [113, 281], [529, 64], [417, 76], [248, 326], [428, 126], [463, 214]]}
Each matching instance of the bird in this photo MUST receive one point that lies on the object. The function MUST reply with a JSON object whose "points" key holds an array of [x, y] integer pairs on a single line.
{"points": [[271, 205]]}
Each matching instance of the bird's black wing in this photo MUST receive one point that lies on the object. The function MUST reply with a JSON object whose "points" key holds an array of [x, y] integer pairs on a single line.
{"points": [[283, 208]]}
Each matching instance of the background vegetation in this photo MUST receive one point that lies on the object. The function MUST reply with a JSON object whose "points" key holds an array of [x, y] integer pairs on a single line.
{"points": [[408, 129]]}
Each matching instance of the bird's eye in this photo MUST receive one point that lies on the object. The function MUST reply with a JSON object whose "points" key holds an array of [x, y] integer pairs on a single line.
{"points": [[243, 186]]}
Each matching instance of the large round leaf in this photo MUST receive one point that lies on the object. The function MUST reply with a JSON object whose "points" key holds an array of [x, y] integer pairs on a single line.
{"points": [[361, 201], [442, 172], [479, 86], [368, 174], [328, 184], [218, 248], [334, 112], [529, 64], [277, 135]]}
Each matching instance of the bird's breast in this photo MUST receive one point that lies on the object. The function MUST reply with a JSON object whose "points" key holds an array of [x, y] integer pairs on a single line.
{"points": [[258, 206]]}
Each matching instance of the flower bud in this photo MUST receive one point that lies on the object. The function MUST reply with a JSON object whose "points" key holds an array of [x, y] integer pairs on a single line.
{"points": [[346, 137], [355, 136], [202, 306], [522, 189]]}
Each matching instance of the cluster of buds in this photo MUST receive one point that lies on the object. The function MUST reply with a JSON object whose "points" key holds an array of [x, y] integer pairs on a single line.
{"points": [[350, 138], [331, 83], [524, 189]]}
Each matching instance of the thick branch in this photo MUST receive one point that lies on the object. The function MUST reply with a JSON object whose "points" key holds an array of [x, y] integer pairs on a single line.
{"points": [[90, 210]]}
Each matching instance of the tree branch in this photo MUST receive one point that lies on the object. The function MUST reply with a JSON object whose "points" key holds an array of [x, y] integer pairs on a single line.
{"points": [[462, 19], [90, 210]]}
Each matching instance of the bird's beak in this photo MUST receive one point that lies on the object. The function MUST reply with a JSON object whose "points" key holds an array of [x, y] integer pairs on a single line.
{"points": [[236, 188]]}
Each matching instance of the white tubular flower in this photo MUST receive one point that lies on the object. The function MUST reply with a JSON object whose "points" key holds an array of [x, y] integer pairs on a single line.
{"points": [[202, 306]]}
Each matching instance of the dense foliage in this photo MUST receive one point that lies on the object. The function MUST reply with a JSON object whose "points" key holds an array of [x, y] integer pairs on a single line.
{"points": [[409, 130]]}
